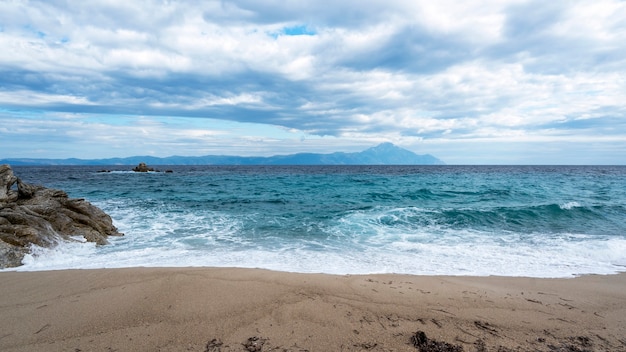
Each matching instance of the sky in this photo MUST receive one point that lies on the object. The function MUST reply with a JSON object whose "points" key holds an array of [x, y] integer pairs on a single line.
{"points": [[470, 82]]}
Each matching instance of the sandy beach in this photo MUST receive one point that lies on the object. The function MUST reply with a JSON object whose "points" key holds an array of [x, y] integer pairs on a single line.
{"points": [[216, 309]]}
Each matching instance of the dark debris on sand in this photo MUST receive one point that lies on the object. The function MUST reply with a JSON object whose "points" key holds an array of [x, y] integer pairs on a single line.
{"points": [[254, 344], [572, 344], [214, 346], [424, 344]]}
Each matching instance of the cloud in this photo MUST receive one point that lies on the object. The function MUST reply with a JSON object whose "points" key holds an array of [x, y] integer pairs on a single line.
{"points": [[420, 73]]}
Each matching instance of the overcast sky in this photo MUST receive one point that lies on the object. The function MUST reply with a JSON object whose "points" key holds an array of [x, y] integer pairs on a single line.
{"points": [[470, 82]]}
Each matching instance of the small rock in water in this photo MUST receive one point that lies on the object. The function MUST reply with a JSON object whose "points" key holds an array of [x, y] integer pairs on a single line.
{"points": [[142, 167]]}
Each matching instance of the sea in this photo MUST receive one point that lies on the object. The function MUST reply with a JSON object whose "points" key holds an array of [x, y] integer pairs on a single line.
{"points": [[531, 221]]}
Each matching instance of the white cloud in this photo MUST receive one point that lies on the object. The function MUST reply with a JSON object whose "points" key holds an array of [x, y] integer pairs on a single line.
{"points": [[414, 72], [39, 99]]}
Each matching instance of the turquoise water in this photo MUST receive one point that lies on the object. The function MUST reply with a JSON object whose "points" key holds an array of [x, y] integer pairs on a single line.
{"points": [[460, 220]]}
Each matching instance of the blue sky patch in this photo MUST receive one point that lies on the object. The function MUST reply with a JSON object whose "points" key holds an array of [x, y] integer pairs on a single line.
{"points": [[293, 31], [298, 30]]}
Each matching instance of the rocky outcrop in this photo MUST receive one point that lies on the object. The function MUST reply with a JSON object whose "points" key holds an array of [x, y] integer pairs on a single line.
{"points": [[7, 179], [142, 167], [36, 215]]}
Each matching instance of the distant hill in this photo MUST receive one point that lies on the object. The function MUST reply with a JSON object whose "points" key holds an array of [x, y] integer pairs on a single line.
{"points": [[382, 154]]}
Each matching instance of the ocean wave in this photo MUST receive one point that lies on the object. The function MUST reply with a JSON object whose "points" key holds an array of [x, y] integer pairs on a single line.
{"points": [[454, 221], [475, 254], [569, 205]]}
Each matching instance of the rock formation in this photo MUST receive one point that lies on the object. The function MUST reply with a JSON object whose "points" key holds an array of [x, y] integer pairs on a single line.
{"points": [[7, 179], [36, 215], [142, 167]]}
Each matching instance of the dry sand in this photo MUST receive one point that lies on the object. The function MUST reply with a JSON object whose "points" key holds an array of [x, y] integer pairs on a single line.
{"points": [[212, 309]]}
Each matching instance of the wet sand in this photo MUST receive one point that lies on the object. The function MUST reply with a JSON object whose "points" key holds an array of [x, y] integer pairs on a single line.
{"points": [[217, 309]]}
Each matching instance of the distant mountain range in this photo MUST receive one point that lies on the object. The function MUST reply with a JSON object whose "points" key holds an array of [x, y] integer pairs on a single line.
{"points": [[382, 154]]}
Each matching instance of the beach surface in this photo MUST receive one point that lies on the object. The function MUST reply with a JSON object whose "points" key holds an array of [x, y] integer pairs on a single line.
{"points": [[223, 309]]}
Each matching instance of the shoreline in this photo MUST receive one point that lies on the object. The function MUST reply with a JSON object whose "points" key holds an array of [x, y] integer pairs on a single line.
{"points": [[235, 309]]}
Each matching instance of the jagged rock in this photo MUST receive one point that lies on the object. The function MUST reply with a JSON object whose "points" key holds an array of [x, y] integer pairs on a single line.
{"points": [[26, 191], [7, 179], [42, 216], [142, 167]]}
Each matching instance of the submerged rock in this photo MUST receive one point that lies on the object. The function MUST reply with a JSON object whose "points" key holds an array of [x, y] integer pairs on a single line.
{"points": [[43, 216]]}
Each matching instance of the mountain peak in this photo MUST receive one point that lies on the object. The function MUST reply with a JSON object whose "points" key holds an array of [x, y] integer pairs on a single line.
{"points": [[390, 154], [386, 146]]}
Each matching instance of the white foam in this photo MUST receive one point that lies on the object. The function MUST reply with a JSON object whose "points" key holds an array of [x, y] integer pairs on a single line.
{"points": [[561, 259], [569, 205], [376, 241]]}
